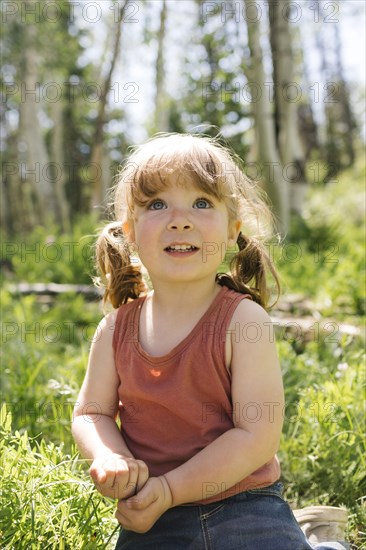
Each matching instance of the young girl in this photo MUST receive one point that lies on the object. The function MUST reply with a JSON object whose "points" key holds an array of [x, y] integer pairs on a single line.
{"points": [[189, 366]]}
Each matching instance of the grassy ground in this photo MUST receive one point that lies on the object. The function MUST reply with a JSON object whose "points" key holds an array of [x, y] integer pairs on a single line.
{"points": [[48, 500]]}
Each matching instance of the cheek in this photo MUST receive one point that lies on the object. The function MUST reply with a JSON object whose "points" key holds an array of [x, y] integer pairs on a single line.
{"points": [[145, 235], [221, 223]]}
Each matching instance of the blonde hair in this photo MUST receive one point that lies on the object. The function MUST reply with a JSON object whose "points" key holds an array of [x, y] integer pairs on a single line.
{"points": [[216, 171]]}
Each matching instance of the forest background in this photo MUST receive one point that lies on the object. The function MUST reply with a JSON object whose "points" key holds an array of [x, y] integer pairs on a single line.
{"points": [[282, 83]]}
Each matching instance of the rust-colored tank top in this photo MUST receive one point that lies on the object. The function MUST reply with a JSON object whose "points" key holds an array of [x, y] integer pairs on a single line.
{"points": [[174, 405]]}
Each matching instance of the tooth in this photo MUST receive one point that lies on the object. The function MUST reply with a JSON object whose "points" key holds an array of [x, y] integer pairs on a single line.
{"points": [[181, 247]]}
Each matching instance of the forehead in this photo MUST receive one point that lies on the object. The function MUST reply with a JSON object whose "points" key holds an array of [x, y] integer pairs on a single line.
{"points": [[181, 179]]}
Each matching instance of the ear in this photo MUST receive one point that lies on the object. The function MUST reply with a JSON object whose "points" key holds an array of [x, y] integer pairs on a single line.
{"points": [[129, 231], [233, 233]]}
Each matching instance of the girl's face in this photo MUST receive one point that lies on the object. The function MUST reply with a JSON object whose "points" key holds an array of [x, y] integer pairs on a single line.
{"points": [[182, 234]]}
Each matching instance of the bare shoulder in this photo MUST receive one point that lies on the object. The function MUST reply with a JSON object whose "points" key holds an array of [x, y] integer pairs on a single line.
{"points": [[252, 333], [249, 311], [104, 333], [101, 356], [108, 322]]}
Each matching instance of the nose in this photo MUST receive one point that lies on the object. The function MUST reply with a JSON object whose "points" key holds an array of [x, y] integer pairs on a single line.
{"points": [[179, 221]]}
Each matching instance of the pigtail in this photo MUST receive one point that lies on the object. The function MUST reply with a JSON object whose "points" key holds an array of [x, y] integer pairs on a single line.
{"points": [[121, 279], [248, 271]]}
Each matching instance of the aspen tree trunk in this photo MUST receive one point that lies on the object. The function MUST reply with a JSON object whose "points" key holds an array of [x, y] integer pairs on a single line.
{"points": [[277, 186], [16, 207], [161, 122], [308, 128], [59, 176], [4, 206], [344, 99], [100, 179], [35, 157], [320, 40], [286, 96]]}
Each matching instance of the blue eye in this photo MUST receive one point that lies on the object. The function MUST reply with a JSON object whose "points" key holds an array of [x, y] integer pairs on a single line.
{"points": [[202, 203], [157, 204]]}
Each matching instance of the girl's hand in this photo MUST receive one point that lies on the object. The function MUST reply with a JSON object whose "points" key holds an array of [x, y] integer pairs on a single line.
{"points": [[140, 512], [118, 477]]}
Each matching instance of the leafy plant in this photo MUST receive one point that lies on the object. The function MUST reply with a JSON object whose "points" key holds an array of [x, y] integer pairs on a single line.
{"points": [[48, 255], [44, 357], [47, 500], [323, 449]]}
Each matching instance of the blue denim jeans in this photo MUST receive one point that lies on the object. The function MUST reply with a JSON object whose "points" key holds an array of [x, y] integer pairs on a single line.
{"points": [[259, 519]]}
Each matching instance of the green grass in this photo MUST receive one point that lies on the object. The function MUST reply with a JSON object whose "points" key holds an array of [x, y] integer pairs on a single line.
{"points": [[48, 499], [323, 447], [44, 356], [48, 255], [324, 257]]}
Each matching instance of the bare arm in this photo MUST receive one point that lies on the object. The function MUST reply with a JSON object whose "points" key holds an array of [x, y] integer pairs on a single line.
{"points": [[94, 426], [114, 470]]}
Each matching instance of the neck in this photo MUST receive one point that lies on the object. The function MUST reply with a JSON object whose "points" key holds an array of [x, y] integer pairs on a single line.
{"points": [[188, 297]]}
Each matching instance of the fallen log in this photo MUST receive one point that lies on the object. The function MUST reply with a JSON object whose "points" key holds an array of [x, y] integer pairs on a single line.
{"points": [[54, 289], [306, 329]]}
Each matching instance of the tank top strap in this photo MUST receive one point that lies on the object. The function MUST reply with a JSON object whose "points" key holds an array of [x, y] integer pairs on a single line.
{"points": [[126, 327], [229, 303]]}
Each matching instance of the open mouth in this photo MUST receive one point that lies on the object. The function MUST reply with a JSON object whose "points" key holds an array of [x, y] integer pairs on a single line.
{"points": [[181, 248]]}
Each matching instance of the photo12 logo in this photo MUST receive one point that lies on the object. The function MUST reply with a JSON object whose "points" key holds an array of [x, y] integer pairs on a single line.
{"points": [[71, 92], [254, 11], [24, 11]]}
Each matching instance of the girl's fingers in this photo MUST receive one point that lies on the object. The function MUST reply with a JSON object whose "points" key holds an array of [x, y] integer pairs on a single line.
{"points": [[129, 483], [123, 520], [143, 499], [97, 474], [104, 471], [143, 475], [117, 477]]}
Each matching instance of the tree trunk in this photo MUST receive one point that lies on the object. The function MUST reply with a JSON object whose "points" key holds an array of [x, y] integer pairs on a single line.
{"points": [[308, 127], [326, 133], [286, 101], [97, 154], [277, 186], [59, 174], [161, 115], [34, 160], [344, 99], [17, 209], [4, 205]]}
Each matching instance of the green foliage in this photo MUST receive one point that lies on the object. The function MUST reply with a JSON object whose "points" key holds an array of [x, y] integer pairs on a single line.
{"points": [[44, 357], [323, 447], [49, 255], [62, 82], [48, 502], [215, 99], [324, 255], [325, 415]]}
